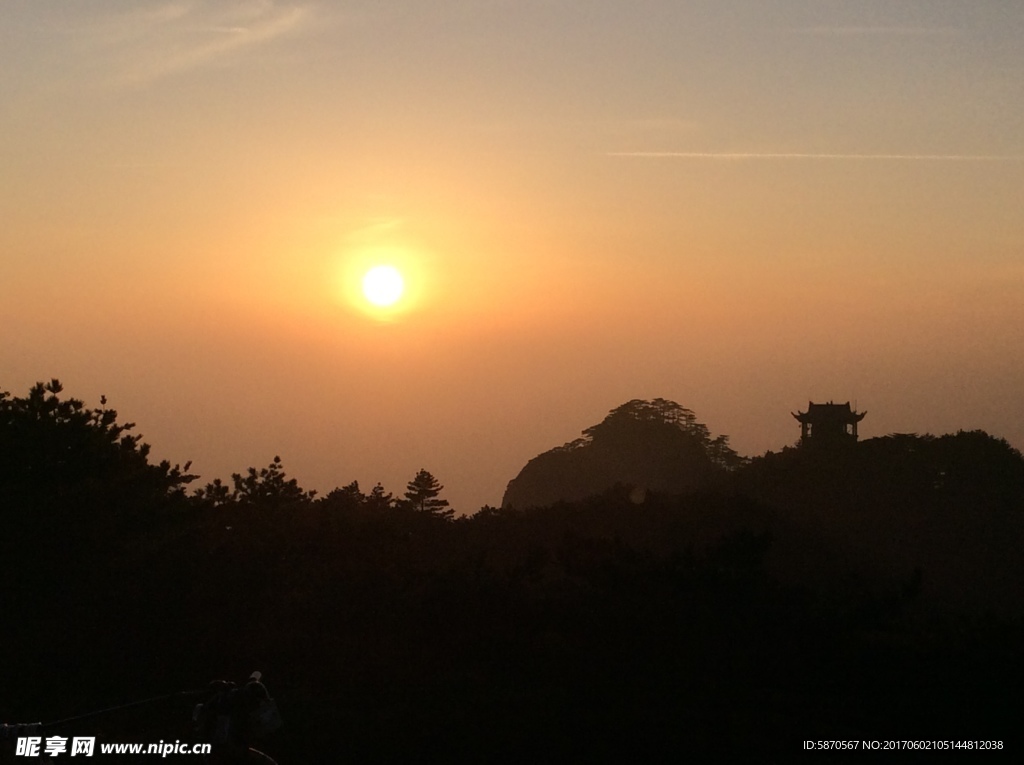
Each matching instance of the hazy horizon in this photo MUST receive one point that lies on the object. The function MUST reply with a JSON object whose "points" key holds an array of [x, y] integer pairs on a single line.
{"points": [[738, 206]]}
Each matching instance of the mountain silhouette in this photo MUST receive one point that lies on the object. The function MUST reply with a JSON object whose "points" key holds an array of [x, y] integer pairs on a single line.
{"points": [[653, 445]]}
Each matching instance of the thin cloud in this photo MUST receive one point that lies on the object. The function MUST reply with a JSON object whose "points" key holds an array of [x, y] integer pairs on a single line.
{"points": [[879, 30], [129, 26], [151, 43], [372, 229], [797, 155], [656, 124]]}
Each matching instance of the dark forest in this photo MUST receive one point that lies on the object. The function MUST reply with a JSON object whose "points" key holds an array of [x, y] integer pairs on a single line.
{"points": [[644, 594]]}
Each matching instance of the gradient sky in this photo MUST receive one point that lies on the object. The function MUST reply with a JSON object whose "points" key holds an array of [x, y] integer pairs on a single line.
{"points": [[737, 205]]}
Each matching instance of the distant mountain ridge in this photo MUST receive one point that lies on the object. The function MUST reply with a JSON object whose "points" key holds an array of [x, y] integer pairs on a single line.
{"points": [[660, 446], [653, 445]]}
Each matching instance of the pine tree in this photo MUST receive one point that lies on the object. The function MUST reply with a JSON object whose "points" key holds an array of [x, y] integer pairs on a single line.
{"points": [[422, 495], [378, 499]]}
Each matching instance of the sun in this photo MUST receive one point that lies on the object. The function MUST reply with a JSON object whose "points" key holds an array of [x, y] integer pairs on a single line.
{"points": [[383, 286]]}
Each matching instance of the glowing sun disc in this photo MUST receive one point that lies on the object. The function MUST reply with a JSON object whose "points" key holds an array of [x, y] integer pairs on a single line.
{"points": [[383, 285]]}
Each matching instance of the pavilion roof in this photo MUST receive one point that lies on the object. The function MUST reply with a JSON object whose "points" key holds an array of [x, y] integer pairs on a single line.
{"points": [[830, 411]]}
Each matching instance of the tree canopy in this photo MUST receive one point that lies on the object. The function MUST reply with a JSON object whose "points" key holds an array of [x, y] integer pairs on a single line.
{"points": [[56, 451], [644, 418], [422, 495]]}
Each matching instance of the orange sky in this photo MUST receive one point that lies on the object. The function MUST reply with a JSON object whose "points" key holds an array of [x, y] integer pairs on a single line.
{"points": [[739, 206]]}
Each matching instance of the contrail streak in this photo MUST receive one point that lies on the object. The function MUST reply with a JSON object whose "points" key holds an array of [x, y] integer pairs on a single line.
{"points": [[794, 155]]}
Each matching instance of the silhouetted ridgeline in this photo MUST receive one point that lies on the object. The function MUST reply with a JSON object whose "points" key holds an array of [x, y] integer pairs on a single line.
{"points": [[750, 605], [656, 445], [948, 510]]}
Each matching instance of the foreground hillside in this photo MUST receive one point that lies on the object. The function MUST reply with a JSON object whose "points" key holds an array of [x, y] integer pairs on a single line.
{"points": [[741, 618]]}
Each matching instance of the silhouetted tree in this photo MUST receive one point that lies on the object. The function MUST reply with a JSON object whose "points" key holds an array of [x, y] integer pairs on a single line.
{"points": [[422, 495], [55, 451], [347, 498], [267, 487], [215, 494], [378, 499], [80, 503]]}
